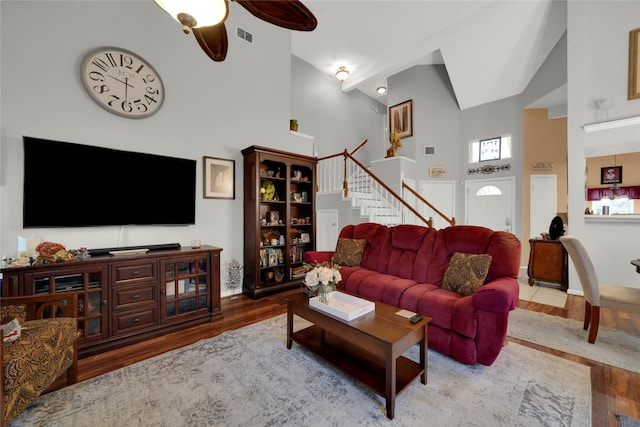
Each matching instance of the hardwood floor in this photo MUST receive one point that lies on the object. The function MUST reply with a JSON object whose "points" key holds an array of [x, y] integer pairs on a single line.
{"points": [[613, 390]]}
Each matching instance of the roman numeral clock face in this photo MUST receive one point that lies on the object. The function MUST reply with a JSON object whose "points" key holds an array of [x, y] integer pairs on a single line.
{"points": [[122, 82]]}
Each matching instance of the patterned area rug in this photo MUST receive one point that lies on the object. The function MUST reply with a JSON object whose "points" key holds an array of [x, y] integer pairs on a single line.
{"points": [[248, 377], [613, 347]]}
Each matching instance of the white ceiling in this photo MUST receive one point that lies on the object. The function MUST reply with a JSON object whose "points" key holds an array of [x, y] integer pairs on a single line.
{"points": [[491, 48]]}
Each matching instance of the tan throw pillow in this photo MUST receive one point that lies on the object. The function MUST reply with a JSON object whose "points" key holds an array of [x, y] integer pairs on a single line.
{"points": [[349, 252], [14, 312], [466, 273]]}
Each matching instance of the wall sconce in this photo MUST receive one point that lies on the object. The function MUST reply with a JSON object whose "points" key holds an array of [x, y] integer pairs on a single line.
{"points": [[381, 89], [342, 74], [195, 13]]}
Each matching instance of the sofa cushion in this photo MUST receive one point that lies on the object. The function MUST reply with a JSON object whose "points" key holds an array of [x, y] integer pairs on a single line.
{"points": [[349, 252], [374, 234], [466, 273], [18, 311]]}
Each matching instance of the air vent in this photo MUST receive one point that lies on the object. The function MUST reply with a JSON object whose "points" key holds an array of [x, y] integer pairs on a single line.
{"points": [[244, 35], [429, 151]]}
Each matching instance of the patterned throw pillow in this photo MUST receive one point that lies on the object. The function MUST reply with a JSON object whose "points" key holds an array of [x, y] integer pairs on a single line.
{"points": [[14, 311], [466, 273], [349, 252]]}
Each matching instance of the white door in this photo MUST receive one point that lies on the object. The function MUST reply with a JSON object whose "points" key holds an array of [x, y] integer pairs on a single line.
{"points": [[491, 203], [442, 195], [326, 229], [543, 203]]}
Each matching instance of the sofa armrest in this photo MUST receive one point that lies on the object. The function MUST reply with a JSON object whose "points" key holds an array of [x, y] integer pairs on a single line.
{"points": [[500, 295], [316, 257]]}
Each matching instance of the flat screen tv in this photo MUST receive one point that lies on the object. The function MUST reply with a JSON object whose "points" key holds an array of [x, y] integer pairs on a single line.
{"points": [[75, 185]]}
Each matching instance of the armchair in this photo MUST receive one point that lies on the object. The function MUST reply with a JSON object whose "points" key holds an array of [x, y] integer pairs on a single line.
{"points": [[46, 349]]}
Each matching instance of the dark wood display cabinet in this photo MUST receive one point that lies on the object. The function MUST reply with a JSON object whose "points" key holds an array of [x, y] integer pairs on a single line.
{"points": [[279, 219], [548, 262], [129, 298]]}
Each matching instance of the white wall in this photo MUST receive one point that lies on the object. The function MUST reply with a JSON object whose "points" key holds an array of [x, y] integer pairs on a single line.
{"points": [[211, 109], [598, 66]]}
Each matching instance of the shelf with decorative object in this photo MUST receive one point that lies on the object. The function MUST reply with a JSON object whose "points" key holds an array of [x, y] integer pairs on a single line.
{"points": [[279, 216]]}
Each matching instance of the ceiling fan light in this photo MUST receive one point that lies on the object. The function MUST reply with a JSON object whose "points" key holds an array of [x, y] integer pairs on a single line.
{"points": [[342, 74], [381, 89], [195, 13]]}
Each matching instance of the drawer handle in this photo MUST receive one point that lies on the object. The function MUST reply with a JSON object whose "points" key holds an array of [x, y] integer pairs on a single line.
{"points": [[135, 296], [136, 320], [134, 272]]}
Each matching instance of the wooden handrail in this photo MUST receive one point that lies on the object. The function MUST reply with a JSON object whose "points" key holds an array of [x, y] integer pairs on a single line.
{"points": [[451, 221], [362, 144]]}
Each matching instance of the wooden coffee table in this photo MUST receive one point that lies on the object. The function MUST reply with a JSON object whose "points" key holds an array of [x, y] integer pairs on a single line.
{"points": [[368, 348]]}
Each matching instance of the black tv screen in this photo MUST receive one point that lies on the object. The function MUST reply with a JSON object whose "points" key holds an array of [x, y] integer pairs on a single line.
{"points": [[75, 185]]}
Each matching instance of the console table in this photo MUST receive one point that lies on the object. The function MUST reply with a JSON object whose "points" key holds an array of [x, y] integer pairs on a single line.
{"points": [[548, 262], [125, 299]]}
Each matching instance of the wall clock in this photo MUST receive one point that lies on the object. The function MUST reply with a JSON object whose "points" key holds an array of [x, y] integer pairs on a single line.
{"points": [[122, 82]]}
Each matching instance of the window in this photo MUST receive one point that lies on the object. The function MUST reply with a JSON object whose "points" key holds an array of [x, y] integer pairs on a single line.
{"points": [[489, 190], [504, 145]]}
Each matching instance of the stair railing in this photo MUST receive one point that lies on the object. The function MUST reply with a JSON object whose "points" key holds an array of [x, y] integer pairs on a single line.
{"points": [[376, 199], [451, 221]]}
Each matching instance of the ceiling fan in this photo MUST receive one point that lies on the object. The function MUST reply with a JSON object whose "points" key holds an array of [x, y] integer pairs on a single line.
{"points": [[206, 19]]}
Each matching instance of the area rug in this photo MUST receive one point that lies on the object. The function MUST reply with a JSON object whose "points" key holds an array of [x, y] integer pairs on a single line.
{"points": [[613, 347], [248, 377]]}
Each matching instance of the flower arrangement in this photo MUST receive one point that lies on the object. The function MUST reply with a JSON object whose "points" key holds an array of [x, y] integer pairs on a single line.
{"points": [[323, 279], [50, 252]]}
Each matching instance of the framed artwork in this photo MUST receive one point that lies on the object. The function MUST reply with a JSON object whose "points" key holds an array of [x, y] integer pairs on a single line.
{"points": [[219, 178], [490, 149], [634, 64], [304, 238], [611, 175], [273, 259], [401, 118]]}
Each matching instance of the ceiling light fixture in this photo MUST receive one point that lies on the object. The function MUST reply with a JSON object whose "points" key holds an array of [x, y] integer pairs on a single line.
{"points": [[342, 74], [381, 89], [195, 13]]}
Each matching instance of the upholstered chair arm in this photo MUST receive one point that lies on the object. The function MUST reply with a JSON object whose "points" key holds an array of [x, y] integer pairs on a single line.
{"points": [[62, 304]]}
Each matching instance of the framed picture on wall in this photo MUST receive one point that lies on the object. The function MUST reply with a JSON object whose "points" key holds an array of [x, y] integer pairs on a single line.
{"points": [[611, 175], [219, 178], [490, 149], [401, 118], [634, 64]]}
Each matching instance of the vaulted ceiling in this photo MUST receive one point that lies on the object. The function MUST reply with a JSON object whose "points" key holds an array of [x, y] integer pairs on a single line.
{"points": [[490, 48]]}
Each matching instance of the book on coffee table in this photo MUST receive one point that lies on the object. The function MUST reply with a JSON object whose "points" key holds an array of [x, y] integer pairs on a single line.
{"points": [[344, 306]]}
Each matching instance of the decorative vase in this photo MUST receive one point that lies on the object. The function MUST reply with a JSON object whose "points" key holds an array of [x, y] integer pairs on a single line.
{"points": [[293, 125], [323, 293]]}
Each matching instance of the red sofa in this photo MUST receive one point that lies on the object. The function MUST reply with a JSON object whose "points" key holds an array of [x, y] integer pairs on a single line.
{"points": [[404, 266]]}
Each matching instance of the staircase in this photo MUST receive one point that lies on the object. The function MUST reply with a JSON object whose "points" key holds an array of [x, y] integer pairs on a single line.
{"points": [[375, 201], [373, 206]]}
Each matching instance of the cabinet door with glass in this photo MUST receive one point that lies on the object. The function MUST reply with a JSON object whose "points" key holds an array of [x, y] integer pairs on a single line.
{"points": [[90, 285], [302, 216], [273, 219], [185, 288]]}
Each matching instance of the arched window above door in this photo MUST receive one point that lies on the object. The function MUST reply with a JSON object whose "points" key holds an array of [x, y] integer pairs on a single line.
{"points": [[489, 190]]}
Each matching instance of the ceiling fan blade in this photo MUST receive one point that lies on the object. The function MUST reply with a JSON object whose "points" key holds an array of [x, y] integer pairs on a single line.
{"points": [[290, 14], [213, 40]]}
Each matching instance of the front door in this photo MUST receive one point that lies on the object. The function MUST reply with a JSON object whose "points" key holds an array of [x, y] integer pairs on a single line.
{"points": [[490, 203]]}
